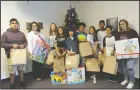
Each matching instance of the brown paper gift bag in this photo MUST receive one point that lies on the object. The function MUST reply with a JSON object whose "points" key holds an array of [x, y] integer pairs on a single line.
{"points": [[110, 65], [50, 58], [85, 49], [92, 65], [17, 56], [58, 65], [72, 62], [101, 57]]}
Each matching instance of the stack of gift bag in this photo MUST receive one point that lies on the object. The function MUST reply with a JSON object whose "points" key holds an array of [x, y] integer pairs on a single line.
{"points": [[66, 70]]}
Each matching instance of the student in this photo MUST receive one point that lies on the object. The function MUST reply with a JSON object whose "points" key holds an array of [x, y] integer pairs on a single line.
{"points": [[109, 48], [60, 43], [13, 38], [101, 32], [125, 32], [33, 35], [72, 44], [82, 36], [51, 38], [52, 35], [92, 37]]}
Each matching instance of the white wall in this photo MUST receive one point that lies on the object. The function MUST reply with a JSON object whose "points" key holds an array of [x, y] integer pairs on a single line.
{"points": [[91, 12], [40, 11]]}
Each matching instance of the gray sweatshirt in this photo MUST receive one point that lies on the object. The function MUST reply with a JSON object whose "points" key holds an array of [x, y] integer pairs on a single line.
{"points": [[11, 37]]}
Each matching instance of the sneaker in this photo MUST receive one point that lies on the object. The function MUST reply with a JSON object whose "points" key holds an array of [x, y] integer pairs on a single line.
{"points": [[130, 85], [12, 86], [94, 79], [124, 82], [22, 85]]}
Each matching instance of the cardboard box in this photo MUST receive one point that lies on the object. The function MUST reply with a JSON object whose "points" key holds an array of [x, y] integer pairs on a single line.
{"points": [[58, 78], [76, 76], [127, 48]]}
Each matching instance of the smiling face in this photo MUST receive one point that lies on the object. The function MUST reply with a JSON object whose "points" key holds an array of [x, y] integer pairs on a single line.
{"points": [[108, 31], [91, 30], [60, 31], [101, 25], [81, 28], [34, 27], [53, 27], [123, 26]]}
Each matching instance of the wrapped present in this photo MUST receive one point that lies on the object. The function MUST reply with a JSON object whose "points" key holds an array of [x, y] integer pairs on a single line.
{"points": [[85, 51], [127, 48], [72, 62], [40, 52], [17, 56], [58, 78], [76, 76]]}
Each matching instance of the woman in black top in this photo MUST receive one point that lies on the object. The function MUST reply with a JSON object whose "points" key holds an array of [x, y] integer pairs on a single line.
{"points": [[60, 43], [124, 33]]}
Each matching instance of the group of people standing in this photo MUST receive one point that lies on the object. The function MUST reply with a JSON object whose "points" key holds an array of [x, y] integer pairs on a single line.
{"points": [[61, 44]]}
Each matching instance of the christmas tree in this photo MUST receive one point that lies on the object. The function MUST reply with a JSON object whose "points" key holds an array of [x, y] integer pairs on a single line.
{"points": [[71, 20]]}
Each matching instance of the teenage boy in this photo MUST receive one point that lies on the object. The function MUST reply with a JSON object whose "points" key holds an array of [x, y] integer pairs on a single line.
{"points": [[13, 38], [82, 36], [109, 48]]}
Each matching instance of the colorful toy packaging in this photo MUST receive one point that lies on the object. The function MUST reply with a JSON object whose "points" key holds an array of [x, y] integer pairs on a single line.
{"points": [[58, 78], [40, 52], [76, 76]]}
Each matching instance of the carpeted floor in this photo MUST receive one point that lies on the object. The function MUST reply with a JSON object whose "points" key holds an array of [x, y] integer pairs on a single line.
{"points": [[102, 83]]}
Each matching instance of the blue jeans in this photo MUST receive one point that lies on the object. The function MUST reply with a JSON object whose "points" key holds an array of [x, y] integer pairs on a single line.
{"points": [[128, 68]]}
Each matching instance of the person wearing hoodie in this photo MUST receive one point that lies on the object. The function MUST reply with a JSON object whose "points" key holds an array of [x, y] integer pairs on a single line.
{"points": [[13, 38]]}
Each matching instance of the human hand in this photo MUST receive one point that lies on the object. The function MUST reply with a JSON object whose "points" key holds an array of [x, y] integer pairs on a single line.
{"points": [[21, 46], [15, 46]]}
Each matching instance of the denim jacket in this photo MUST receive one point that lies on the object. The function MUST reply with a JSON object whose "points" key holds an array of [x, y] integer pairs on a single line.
{"points": [[72, 44]]}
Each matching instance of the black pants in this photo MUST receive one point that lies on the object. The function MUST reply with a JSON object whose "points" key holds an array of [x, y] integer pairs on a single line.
{"points": [[37, 69], [112, 77]]}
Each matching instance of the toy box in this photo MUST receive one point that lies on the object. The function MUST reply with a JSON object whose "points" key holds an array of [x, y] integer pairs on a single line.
{"points": [[58, 78], [76, 76]]}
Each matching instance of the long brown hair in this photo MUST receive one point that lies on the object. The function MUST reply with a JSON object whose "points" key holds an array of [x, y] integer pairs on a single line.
{"points": [[50, 32], [38, 29], [94, 34], [127, 25], [58, 34]]}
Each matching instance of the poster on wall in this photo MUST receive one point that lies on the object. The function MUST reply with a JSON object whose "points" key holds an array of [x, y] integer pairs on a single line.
{"points": [[113, 22], [127, 48]]}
